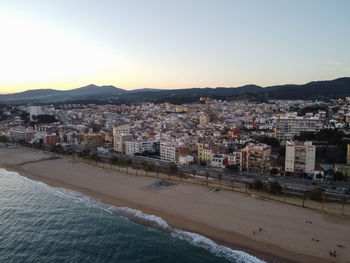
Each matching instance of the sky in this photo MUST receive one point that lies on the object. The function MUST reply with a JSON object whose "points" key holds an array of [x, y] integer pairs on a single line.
{"points": [[174, 44]]}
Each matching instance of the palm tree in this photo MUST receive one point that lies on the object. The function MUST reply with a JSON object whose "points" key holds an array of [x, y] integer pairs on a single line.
{"points": [[207, 177], [343, 202], [284, 190], [305, 196], [324, 198], [181, 174], [268, 186], [220, 178]]}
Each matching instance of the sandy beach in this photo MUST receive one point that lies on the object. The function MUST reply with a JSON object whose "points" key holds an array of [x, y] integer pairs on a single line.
{"points": [[272, 231]]}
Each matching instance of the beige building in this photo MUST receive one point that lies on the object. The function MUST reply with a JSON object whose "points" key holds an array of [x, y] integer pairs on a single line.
{"points": [[256, 158], [203, 120], [121, 134], [300, 157], [205, 153]]}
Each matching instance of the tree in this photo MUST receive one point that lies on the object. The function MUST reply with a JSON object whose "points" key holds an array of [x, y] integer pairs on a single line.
{"points": [[324, 198], [172, 169], [284, 190], [338, 176], [305, 196], [145, 166], [182, 175], [316, 194], [343, 200], [207, 177], [268, 188], [114, 160], [274, 171], [220, 178], [272, 141], [275, 187], [258, 184]]}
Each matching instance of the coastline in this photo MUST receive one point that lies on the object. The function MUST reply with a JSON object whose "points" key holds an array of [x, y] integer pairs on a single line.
{"points": [[215, 223]]}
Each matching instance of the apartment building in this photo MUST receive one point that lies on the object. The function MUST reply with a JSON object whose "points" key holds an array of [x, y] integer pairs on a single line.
{"points": [[21, 134], [205, 153], [121, 129], [121, 134], [256, 158], [51, 140], [119, 142], [300, 157], [218, 160], [92, 141], [286, 127], [169, 153], [135, 147]]}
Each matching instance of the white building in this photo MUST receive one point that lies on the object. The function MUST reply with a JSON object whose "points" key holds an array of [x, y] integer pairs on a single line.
{"points": [[300, 157], [286, 127], [218, 160], [169, 153], [21, 133], [133, 147], [34, 111]]}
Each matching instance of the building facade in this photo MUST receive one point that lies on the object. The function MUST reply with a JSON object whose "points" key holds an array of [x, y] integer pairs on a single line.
{"points": [[286, 127], [300, 157], [256, 158]]}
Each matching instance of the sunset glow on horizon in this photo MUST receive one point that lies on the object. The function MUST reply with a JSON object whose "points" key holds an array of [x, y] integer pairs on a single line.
{"points": [[171, 44]]}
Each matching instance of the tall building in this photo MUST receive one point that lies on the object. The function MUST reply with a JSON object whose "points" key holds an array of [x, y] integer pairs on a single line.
{"points": [[51, 140], [134, 147], [121, 134], [205, 153], [169, 153], [119, 142], [34, 111], [300, 157], [286, 127], [256, 158]]}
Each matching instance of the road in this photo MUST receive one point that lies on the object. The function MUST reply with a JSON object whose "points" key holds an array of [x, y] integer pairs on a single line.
{"points": [[293, 183]]}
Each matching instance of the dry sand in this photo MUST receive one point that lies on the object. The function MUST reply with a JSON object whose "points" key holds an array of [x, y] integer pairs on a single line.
{"points": [[229, 218]]}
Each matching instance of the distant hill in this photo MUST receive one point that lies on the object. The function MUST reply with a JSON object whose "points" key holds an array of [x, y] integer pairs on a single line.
{"points": [[52, 96], [110, 94]]}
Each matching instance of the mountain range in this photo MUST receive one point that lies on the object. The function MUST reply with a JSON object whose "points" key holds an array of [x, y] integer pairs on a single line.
{"points": [[109, 94]]}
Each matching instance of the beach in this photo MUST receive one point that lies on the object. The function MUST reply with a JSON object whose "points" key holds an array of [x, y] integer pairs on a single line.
{"points": [[271, 231]]}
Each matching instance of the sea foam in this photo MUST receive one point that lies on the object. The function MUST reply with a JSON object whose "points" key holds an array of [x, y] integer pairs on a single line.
{"points": [[151, 221]]}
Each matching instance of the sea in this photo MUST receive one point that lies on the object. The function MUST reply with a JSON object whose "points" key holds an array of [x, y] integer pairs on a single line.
{"points": [[40, 223]]}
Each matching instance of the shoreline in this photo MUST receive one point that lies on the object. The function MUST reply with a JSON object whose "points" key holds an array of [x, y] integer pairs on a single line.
{"points": [[172, 220], [260, 248]]}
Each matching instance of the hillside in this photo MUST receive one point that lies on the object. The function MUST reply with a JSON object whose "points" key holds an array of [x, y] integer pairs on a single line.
{"points": [[110, 94]]}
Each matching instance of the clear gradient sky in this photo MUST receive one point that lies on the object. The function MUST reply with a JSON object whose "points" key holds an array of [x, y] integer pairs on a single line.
{"points": [[133, 44]]}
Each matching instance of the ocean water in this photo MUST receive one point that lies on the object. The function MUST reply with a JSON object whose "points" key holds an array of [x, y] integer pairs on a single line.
{"points": [[39, 223]]}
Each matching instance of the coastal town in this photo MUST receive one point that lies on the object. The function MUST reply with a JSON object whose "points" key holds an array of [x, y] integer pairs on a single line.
{"points": [[275, 139]]}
